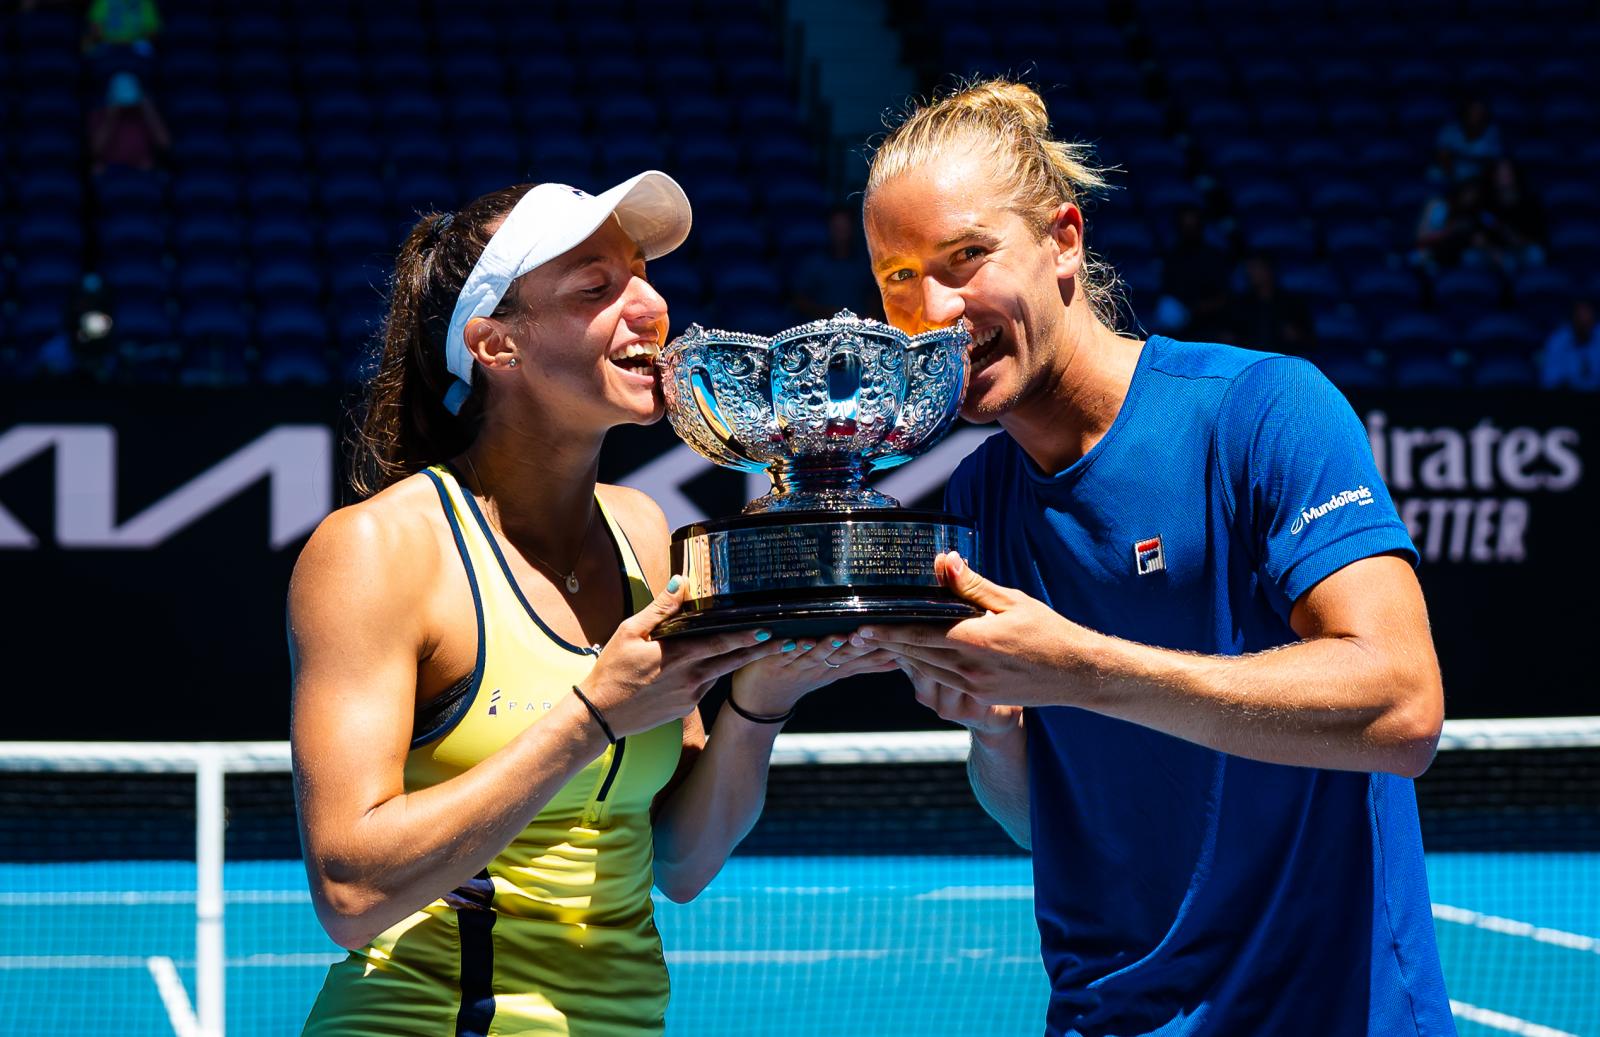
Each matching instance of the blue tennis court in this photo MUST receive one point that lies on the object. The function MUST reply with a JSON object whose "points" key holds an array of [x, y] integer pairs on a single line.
{"points": [[777, 945]]}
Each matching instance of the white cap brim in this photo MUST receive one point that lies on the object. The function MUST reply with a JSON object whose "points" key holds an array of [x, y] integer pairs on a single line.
{"points": [[548, 222]]}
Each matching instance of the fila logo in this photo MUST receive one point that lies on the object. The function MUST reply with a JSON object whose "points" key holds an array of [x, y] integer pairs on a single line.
{"points": [[494, 702], [1147, 556]]}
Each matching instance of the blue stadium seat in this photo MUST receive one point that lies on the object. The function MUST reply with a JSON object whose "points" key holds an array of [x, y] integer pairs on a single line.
{"points": [[744, 284], [1577, 244], [49, 106], [1351, 365], [795, 198], [142, 319], [678, 282], [1244, 157], [1380, 290], [256, 69], [41, 69], [722, 197], [46, 276], [206, 192], [1286, 117], [537, 75], [1569, 114], [57, 147], [206, 232], [1543, 293], [185, 73], [1284, 242], [1197, 77], [210, 151], [1319, 284], [1467, 290], [1337, 200], [738, 244], [134, 230], [340, 110], [1504, 330], [281, 329], [1357, 119], [478, 113], [268, 111], [130, 278], [624, 156], [38, 318], [1423, 115], [344, 193], [279, 192], [417, 192], [124, 189], [411, 111], [625, 114], [273, 151], [280, 238], [52, 232], [348, 151], [1504, 369], [217, 279], [287, 283]]}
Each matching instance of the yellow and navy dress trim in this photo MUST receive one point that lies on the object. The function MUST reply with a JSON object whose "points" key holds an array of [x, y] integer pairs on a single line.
{"points": [[557, 935]]}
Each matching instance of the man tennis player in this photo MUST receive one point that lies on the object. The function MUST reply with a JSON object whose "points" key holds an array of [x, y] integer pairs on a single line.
{"points": [[1206, 681]]}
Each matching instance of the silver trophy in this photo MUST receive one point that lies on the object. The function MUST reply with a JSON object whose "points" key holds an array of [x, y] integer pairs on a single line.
{"points": [[817, 408]]}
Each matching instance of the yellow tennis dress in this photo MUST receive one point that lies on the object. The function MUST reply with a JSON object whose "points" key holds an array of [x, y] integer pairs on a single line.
{"points": [[557, 935]]}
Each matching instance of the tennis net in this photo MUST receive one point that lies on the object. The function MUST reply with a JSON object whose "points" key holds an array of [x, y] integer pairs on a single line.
{"points": [[874, 896]]}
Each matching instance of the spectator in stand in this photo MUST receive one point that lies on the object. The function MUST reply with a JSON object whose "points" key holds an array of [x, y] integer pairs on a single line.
{"points": [[1572, 352], [1454, 229], [118, 36], [128, 131], [1195, 293], [837, 278], [1516, 227], [1268, 317], [1470, 145]]}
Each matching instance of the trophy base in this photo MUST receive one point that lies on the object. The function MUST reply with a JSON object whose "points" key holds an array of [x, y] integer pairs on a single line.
{"points": [[805, 573], [816, 619]]}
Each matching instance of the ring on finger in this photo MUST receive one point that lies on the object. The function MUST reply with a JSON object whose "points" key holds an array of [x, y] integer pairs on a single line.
{"points": [[830, 663]]}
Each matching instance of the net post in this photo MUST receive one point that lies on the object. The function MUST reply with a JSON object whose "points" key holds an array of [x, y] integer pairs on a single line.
{"points": [[210, 963]]}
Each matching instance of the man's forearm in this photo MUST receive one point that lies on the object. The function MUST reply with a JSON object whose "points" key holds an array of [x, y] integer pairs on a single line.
{"points": [[1330, 702], [997, 766]]}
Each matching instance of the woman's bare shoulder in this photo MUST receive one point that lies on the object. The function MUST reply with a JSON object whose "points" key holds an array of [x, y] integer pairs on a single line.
{"points": [[386, 545]]}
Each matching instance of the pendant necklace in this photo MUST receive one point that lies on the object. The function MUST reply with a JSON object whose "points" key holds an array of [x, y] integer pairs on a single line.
{"points": [[571, 577]]}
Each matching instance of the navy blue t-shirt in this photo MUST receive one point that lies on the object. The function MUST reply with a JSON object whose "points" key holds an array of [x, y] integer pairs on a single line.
{"points": [[1180, 890]]}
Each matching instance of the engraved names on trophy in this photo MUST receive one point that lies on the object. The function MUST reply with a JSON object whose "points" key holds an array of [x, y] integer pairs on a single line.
{"points": [[809, 555]]}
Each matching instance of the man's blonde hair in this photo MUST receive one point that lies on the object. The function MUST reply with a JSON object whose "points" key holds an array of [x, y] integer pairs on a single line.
{"points": [[1008, 122]]}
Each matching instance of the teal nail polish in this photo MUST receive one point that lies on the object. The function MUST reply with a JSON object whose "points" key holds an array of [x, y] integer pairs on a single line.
{"points": [[673, 584], [788, 646], [763, 635], [838, 643]]}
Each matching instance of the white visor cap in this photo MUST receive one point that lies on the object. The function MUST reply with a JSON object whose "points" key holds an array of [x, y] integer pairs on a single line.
{"points": [[550, 221]]}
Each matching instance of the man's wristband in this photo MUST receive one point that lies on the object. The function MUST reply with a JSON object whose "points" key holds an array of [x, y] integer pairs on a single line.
{"points": [[594, 711], [757, 718]]}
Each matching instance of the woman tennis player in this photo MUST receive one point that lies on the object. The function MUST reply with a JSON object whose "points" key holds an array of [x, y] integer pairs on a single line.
{"points": [[493, 761]]}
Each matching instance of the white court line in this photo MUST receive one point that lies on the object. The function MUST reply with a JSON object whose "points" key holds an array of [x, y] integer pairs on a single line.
{"points": [[792, 957], [979, 893], [142, 897], [173, 997], [18, 962], [1512, 927], [1501, 1021]]}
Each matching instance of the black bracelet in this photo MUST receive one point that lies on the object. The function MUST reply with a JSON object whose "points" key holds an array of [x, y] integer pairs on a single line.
{"points": [[757, 718], [599, 717]]}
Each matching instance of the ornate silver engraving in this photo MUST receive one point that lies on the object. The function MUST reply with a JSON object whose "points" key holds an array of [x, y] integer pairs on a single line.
{"points": [[817, 406]]}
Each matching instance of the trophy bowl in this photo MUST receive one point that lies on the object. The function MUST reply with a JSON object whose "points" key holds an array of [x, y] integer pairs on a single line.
{"points": [[817, 408]]}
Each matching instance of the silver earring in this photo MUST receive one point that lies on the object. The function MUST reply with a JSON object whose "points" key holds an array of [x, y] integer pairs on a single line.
{"points": [[512, 362]]}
